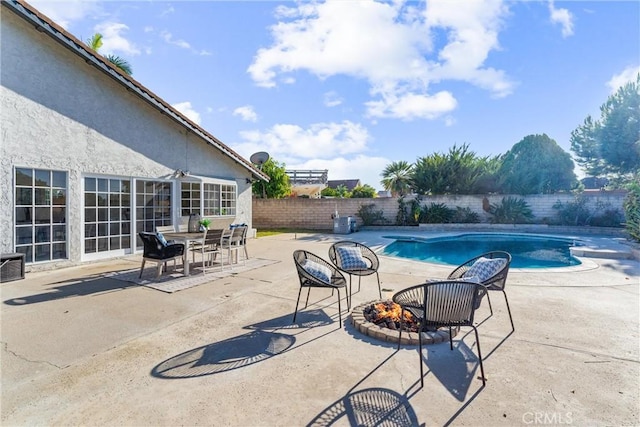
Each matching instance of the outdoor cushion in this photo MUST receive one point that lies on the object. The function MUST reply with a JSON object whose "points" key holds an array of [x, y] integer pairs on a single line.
{"points": [[161, 239], [351, 258], [485, 268], [319, 271]]}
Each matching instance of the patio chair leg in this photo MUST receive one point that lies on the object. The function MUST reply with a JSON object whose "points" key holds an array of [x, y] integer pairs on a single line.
{"points": [[420, 356], [307, 303], [450, 339], [513, 328], [161, 265], [484, 382], [359, 277], [489, 300], [297, 301], [401, 326], [142, 268], [339, 309], [379, 289]]}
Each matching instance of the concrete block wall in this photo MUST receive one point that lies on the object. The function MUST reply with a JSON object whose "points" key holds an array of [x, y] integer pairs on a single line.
{"points": [[315, 214]]}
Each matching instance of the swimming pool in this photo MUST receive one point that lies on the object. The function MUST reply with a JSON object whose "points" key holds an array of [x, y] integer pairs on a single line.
{"points": [[527, 251]]}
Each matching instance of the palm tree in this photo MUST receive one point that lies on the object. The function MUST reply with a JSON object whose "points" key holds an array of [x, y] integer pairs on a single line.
{"points": [[95, 43], [396, 178]]}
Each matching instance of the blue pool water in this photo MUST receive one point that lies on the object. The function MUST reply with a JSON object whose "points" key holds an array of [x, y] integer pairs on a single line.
{"points": [[527, 251]]}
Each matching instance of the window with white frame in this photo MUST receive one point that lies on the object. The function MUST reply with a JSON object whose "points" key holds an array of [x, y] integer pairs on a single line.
{"points": [[40, 214], [208, 199], [107, 214]]}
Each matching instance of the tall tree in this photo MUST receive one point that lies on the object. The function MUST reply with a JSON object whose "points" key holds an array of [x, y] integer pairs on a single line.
{"points": [[453, 173], [536, 165], [611, 145], [396, 177], [363, 192], [278, 186], [95, 43]]}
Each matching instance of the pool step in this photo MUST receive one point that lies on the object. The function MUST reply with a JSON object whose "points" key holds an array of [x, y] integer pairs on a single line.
{"points": [[602, 253]]}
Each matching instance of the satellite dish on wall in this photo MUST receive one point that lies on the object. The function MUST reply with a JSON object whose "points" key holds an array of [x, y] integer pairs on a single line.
{"points": [[259, 158]]}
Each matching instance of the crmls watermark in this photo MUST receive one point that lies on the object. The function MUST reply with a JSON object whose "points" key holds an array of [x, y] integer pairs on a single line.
{"points": [[547, 418]]}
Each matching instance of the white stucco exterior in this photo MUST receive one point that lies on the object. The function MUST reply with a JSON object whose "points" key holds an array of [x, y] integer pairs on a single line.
{"points": [[61, 112]]}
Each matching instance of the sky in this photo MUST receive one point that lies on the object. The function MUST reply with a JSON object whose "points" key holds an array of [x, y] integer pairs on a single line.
{"points": [[353, 85]]}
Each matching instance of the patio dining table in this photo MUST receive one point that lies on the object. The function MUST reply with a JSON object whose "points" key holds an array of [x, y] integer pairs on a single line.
{"points": [[186, 238]]}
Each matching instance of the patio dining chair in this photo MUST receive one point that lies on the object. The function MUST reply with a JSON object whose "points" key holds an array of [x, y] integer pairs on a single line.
{"points": [[446, 303], [489, 269], [355, 259], [158, 251], [315, 272], [210, 248]]}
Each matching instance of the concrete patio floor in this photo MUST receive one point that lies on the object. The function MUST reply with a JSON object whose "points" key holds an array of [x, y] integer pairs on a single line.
{"points": [[83, 349]]}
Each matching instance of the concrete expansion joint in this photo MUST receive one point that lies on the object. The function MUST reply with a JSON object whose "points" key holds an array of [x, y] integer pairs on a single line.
{"points": [[5, 348]]}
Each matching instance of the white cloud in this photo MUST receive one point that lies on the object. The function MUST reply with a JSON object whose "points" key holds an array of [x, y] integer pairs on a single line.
{"points": [[318, 141], [563, 17], [246, 112], [332, 99], [393, 46], [182, 44], [112, 39], [627, 75], [186, 109]]}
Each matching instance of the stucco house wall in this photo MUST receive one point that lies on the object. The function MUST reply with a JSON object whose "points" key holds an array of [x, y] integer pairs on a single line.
{"points": [[60, 112]]}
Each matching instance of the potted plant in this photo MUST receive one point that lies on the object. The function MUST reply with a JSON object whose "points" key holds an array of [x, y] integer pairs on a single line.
{"points": [[204, 224]]}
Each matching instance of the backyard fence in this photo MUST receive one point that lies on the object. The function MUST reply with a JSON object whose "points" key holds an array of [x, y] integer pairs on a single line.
{"points": [[317, 214]]}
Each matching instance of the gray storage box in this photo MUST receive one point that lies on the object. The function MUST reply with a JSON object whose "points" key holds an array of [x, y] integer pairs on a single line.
{"points": [[344, 225], [12, 267]]}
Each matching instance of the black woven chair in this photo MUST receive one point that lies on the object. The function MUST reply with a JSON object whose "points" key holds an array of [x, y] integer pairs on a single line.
{"points": [[310, 268], [155, 251], [443, 304], [495, 282], [366, 265]]}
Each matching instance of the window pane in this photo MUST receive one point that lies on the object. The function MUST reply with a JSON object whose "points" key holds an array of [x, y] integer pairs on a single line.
{"points": [[90, 184], [23, 196], [90, 215], [114, 199], [59, 215], [59, 197], [59, 233], [114, 228], [42, 253], [103, 185], [43, 196], [90, 199], [59, 251], [43, 178], [125, 243], [114, 214], [43, 215], [90, 230], [23, 215], [103, 199], [27, 251], [126, 228], [90, 246], [59, 179], [24, 177], [103, 214], [114, 243], [24, 235], [102, 230], [125, 187], [103, 245], [43, 234]]}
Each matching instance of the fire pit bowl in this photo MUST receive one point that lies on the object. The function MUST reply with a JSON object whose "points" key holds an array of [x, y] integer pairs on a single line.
{"points": [[380, 319]]}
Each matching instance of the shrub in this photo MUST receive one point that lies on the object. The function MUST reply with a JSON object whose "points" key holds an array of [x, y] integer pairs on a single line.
{"points": [[465, 216], [369, 216], [632, 211], [511, 210], [573, 213], [436, 213], [609, 218]]}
